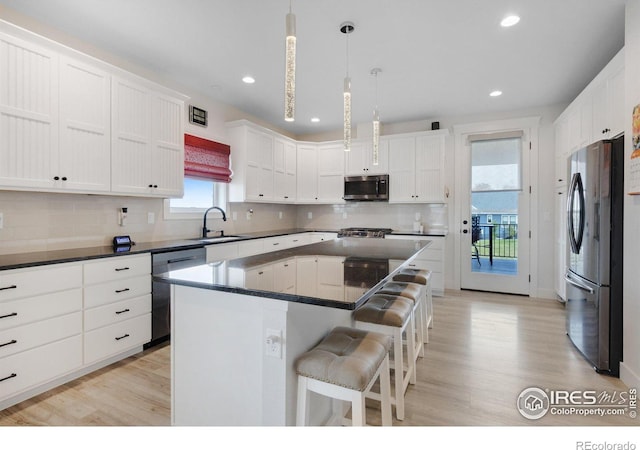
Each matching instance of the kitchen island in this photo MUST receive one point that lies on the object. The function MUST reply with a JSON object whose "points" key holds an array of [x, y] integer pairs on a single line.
{"points": [[238, 325]]}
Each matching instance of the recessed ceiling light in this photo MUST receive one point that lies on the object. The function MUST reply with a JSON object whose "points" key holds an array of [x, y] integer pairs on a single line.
{"points": [[249, 79], [510, 21], [495, 93], [315, 119]]}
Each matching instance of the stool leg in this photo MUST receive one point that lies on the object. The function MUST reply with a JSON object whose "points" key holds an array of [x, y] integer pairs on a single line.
{"points": [[302, 411], [411, 352], [399, 374], [420, 327], [429, 304], [358, 418], [385, 393]]}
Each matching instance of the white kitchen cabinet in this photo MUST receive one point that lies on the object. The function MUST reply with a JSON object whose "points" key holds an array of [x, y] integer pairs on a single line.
{"points": [[259, 278], [560, 249], [416, 169], [320, 173], [85, 127], [147, 149], [431, 258], [252, 162], [117, 306], [284, 170], [40, 326], [320, 276], [29, 114], [359, 161], [608, 102], [284, 276], [219, 252], [562, 152]]}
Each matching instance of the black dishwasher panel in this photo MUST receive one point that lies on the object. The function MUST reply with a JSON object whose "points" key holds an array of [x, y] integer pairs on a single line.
{"points": [[161, 292]]}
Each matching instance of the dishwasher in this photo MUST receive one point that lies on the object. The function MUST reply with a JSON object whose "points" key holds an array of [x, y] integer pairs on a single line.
{"points": [[165, 261]]}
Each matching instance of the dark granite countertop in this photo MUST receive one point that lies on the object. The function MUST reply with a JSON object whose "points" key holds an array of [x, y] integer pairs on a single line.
{"points": [[32, 259], [364, 264]]}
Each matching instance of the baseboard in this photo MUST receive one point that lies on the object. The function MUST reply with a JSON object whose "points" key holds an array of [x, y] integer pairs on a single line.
{"points": [[628, 376], [546, 293]]}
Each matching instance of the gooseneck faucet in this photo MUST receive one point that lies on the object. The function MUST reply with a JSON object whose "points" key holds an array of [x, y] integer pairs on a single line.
{"points": [[205, 230]]}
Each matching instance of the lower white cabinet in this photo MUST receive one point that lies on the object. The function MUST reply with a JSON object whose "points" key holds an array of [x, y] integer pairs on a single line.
{"points": [[60, 321], [431, 258]]}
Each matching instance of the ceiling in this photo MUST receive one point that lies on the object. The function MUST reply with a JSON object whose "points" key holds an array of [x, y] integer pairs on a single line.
{"points": [[439, 58]]}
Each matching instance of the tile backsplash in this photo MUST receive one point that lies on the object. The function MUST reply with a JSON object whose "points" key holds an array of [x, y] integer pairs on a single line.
{"points": [[34, 221]]}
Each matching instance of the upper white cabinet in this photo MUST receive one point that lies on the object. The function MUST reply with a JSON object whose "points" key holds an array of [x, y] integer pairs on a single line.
{"points": [[252, 162], [284, 170], [359, 161], [72, 123], [320, 173], [416, 167], [85, 126], [147, 141], [28, 114]]}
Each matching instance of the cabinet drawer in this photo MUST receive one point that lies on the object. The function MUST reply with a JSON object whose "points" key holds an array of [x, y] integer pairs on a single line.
{"points": [[430, 255], [113, 291], [275, 243], [42, 364], [251, 247], [23, 338], [116, 268], [116, 312], [296, 240], [20, 283], [28, 310], [433, 266], [220, 252], [117, 338]]}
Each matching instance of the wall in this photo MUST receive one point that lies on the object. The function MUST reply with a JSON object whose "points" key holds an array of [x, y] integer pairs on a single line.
{"points": [[630, 368]]}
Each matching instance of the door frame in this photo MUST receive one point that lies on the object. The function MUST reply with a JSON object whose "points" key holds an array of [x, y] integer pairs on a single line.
{"points": [[496, 126]]}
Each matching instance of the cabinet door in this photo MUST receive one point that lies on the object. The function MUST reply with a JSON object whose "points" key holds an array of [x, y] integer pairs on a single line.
{"points": [[307, 276], [259, 166], [167, 146], [28, 114], [429, 169], [284, 170], [383, 158], [131, 154], [402, 169], [616, 104], [330, 276], [85, 129], [561, 241], [601, 115], [284, 276], [307, 181], [330, 173], [562, 152], [355, 159]]}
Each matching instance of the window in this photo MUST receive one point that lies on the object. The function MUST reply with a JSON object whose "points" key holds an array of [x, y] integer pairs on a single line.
{"points": [[199, 194]]}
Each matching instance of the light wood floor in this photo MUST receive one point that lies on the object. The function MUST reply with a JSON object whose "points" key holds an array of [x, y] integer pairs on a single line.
{"points": [[484, 350]]}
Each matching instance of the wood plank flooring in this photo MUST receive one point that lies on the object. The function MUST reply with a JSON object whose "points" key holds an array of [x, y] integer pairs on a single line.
{"points": [[484, 350]]}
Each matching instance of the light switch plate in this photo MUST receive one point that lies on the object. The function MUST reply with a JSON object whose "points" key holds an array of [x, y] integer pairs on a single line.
{"points": [[151, 218], [1, 221]]}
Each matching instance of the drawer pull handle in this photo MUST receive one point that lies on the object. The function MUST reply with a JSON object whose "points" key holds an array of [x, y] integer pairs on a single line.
{"points": [[8, 315], [295, 240], [260, 273], [122, 337], [123, 311], [12, 341], [286, 265], [412, 265], [119, 291], [13, 286], [119, 269], [13, 375]]}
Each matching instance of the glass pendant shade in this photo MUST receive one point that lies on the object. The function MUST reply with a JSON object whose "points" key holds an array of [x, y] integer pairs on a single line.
{"points": [[347, 114], [290, 70], [376, 138]]}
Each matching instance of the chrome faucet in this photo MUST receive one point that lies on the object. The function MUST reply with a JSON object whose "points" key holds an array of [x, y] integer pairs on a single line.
{"points": [[205, 230]]}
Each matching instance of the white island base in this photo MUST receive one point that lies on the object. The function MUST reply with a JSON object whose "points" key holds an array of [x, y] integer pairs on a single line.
{"points": [[226, 368]]}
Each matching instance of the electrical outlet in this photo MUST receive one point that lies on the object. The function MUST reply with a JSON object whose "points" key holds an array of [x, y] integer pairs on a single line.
{"points": [[279, 214], [151, 218], [309, 215], [417, 217], [273, 343], [344, 215], [234, 215], [1, 221]]}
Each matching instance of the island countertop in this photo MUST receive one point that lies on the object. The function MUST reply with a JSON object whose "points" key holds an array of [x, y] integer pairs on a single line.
{"points": [[342, 273]]}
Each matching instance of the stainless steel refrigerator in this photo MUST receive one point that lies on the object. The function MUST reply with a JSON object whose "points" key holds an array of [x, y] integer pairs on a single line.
{"points": [[594, 255]]}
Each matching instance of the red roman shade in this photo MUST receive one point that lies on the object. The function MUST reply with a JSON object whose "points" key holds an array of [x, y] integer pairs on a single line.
{"points": [[206, 159]]}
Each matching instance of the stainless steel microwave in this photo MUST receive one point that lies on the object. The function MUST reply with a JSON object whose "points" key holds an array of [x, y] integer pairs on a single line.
{"points": [[367, 188]]}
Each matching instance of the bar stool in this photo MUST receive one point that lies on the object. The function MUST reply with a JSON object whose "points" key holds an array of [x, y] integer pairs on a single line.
{"points": [[417, 294], [423, 277], [345, 366], [392, 315]]}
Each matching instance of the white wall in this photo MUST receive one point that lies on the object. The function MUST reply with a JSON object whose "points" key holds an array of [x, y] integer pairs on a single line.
{"points": [[630, 368]]}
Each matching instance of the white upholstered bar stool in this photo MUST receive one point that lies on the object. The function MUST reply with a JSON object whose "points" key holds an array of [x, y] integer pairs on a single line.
{"points": [[423, 277], [345, 366], [417, 294], [392, 315]]}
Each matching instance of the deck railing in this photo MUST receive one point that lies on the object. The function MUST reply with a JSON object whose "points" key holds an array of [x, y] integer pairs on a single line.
{"points": [[498, 240]]}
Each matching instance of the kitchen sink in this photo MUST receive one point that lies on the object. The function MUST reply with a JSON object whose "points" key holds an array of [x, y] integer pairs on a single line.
{"points": [[213, 240]]}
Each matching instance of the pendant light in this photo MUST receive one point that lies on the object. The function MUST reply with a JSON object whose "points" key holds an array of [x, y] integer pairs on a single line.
{"points": [[290, 68], [347, 28], [376, 123]]}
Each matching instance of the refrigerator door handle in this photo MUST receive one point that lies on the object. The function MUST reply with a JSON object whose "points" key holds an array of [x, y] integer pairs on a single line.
{"points": [[581, 286], [576, 186]]}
